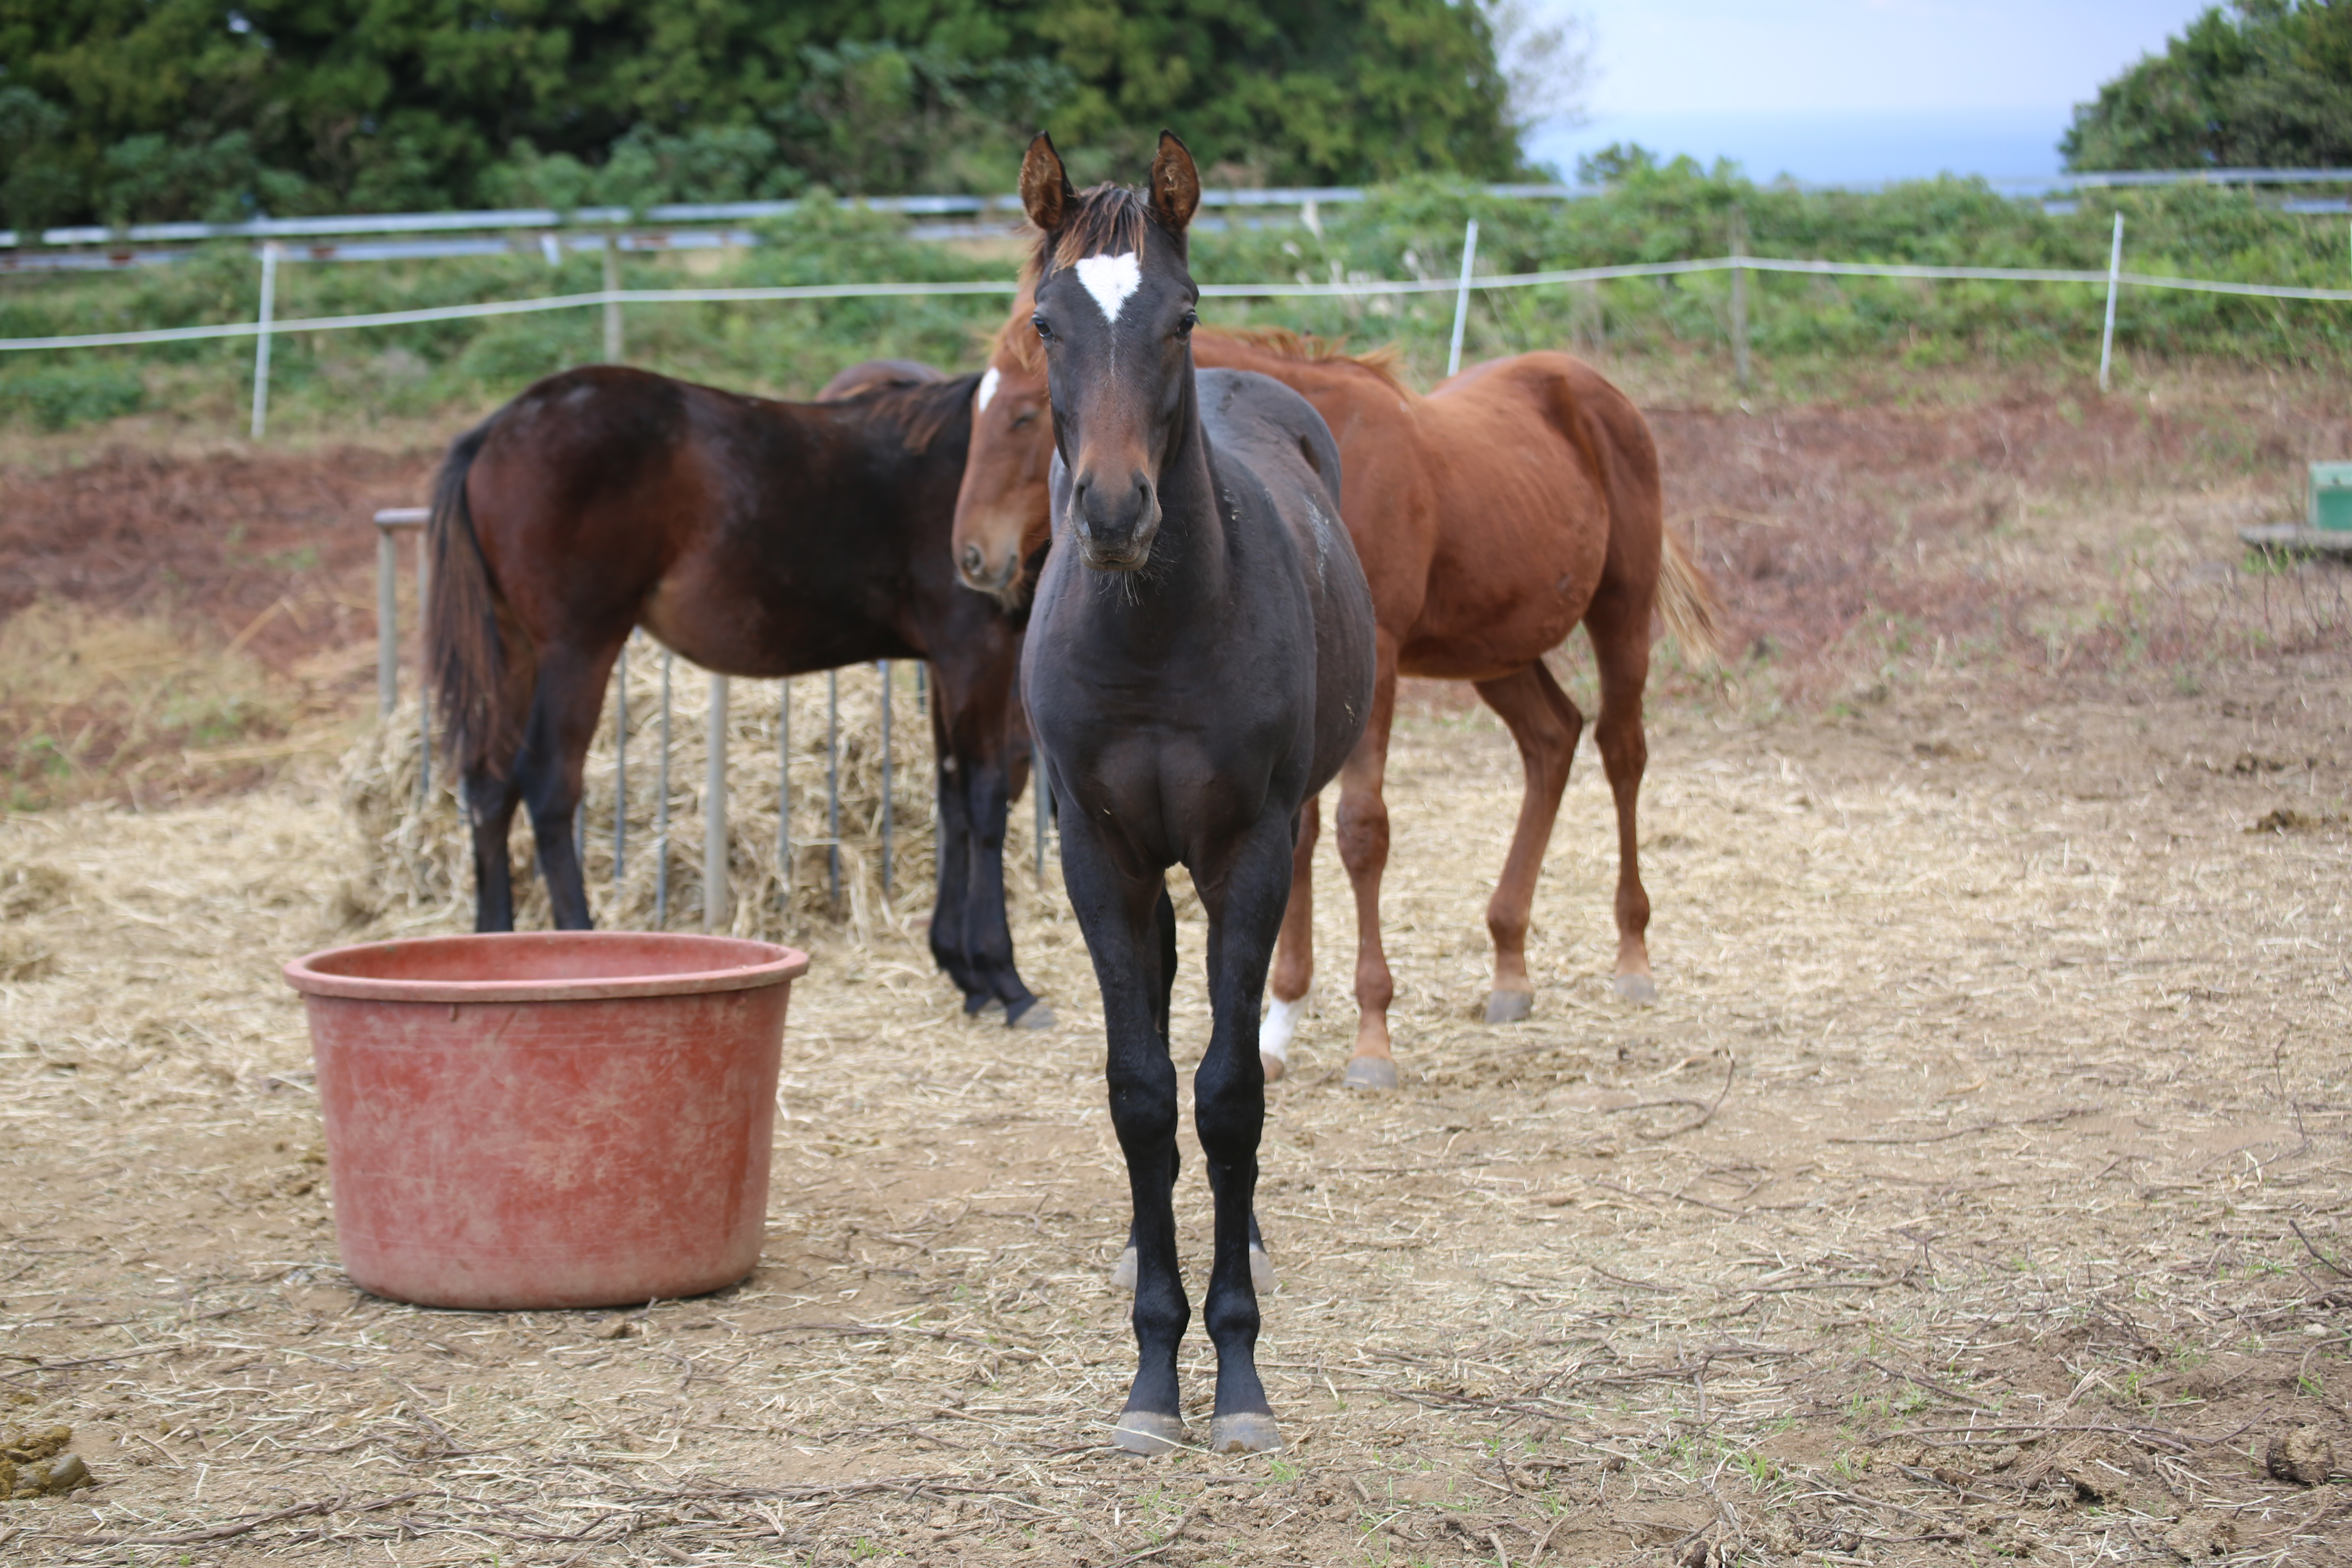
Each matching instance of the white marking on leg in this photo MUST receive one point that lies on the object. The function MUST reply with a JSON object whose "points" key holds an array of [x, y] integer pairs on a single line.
{"points": [[987, 388], [1282, 1017], [1110, 279]]}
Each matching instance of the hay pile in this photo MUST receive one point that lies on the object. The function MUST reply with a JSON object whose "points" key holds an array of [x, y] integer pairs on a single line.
{"points": [[416, 858]]}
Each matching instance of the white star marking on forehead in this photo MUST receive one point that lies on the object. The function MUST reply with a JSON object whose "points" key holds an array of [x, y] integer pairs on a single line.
{"points": [[988, 388], [1110, 279]]}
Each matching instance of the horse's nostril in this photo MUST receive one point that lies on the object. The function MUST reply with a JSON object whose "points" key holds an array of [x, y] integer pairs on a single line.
{"points": [[972, 561]]}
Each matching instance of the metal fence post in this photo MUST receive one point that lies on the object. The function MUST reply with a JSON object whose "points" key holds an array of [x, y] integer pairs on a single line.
{"points": [[661, 805], [714, 809], [620, 759], [611, 306], [2115, 280], [784, 788], [1462, 298], [423, 675], [387, 624], [884, 666], [1740, 297], [261, 339], [832, 786]]}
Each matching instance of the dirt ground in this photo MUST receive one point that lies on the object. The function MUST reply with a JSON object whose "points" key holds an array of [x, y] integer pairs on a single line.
{"points": [[1976, 1190]]}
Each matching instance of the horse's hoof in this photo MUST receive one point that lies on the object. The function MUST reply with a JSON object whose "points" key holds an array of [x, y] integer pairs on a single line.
{"points": [[1250, 1432], [1637, 988], [1261, 1271], [1037, 1015], [1148, 1432], [1122, 1274], [1371, 1074], [982, 1006], [1509, 1006], [1274, 1067]]}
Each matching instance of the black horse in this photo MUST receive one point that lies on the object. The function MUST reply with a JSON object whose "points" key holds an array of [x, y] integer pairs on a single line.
{"points": [[1198, 665], [757, 537]]}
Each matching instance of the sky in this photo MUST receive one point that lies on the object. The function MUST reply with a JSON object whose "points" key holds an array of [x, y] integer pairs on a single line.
{"points": [[1848, 91]]}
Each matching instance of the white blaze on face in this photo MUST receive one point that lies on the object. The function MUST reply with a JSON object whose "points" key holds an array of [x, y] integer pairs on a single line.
{"points": [[1110, 279], [987, 388]]}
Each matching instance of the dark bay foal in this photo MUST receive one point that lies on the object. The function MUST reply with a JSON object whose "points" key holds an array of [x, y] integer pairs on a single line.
{"points": [[755, 537], [1199, 664]]}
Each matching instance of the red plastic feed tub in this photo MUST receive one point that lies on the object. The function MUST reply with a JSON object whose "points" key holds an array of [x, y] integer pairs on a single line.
{"points": [[548, 1120]]}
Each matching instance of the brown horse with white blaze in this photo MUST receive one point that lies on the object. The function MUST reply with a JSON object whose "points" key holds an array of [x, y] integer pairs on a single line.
{"points": [[1493, 516]]}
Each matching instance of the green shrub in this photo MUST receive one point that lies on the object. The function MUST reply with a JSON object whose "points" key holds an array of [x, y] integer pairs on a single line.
{"points": [[56, 397]]}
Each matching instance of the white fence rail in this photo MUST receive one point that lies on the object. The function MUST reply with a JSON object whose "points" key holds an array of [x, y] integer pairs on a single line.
{"points": [[612, 300], [1362, 288]]}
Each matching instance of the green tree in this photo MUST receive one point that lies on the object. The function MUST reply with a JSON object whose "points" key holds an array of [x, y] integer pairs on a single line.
{"points": [[142, 110], [2264, 84]]}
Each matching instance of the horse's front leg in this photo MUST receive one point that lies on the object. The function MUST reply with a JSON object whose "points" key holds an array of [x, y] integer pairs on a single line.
{"points": [[952, 861], [1245, 899], [1118, 911], [988, 929]]}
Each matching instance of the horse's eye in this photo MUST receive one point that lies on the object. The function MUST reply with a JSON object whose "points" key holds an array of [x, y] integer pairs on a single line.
{"points": [[1184, 328], [1025, 418], [1044, 333]]}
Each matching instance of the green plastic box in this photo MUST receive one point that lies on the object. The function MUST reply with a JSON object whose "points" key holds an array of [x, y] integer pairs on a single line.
{"points": [[2331, 496]]}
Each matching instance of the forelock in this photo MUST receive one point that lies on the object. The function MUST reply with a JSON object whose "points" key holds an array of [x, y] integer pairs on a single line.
{"points": [[1108, 219]]}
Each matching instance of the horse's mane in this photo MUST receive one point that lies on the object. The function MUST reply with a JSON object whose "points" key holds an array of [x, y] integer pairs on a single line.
{"points": [[1022, 348], [1284, 343], [920, 409]]}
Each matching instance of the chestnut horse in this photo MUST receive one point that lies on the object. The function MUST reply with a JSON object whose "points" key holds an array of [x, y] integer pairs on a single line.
{"points": [[757, 537], [1199, 664], [1492, 516]]}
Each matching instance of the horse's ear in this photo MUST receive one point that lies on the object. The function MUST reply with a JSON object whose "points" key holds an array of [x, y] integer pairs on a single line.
{"points": [[1175, 186], [1046, 193]]}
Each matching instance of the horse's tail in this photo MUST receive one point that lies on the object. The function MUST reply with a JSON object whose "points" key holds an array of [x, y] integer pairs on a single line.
{"points": [[1687, 599], [465, 653]]}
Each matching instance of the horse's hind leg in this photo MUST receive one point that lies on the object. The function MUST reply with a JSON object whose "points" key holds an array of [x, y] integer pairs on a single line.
{"points": [[490, 800], [563, 709], [1294, 955], [1546, 726], [1621, 648], [1364, 851]]}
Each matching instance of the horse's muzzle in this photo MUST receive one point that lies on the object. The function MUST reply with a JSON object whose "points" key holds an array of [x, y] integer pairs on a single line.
{"points": [[986, 576], [1115, 533]]}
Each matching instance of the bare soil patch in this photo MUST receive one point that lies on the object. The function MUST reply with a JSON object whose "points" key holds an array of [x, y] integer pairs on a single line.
{"points": [[179, 624]]}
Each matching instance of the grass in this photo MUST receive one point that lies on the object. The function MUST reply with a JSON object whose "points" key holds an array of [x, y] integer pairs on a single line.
{"points": [[96, 705]]}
